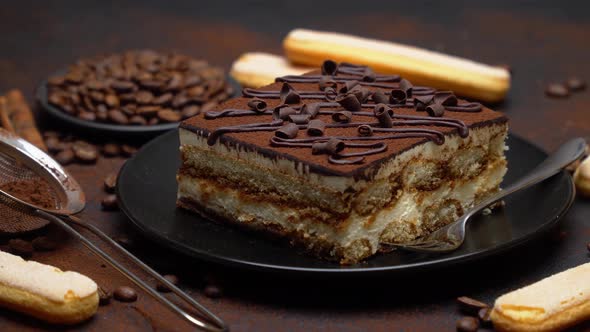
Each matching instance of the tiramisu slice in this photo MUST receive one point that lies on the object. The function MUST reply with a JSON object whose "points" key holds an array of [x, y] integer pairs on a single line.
{"points": [[339, 160]]}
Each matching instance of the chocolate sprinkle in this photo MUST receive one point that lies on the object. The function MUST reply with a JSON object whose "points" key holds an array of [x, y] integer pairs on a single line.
{"points": [[283, 112], [257, 105], [316, 128], [382, 112], [299, 118], [327, 82], [369, 75], [446, 98], [312, 109], [329, 67], [420, 102], [435, 109], [406, 87], [397, 96], [349, 85], [288, 95], [287, 131], [330, 146], [342, 116], [379, 97], [349, 102], [365, 130]]}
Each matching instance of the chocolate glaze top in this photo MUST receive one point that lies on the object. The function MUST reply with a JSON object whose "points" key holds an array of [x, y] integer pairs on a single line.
{"points": [[359, 130]]}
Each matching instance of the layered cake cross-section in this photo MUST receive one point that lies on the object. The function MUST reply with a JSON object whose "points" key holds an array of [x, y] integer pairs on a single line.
{"points": [[341, 159]]}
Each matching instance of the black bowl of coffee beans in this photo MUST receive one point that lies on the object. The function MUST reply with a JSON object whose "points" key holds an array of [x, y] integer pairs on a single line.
{"points": [[134, 93]]}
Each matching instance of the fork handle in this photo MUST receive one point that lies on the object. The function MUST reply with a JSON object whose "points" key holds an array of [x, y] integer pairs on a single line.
{"points": [[553, 164]]}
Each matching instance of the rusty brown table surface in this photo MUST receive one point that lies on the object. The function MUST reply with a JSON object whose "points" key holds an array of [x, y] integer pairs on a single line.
{"points": [[542, 41]]}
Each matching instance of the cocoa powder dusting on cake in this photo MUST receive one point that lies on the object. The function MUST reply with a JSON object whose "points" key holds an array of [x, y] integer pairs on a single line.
{"points": [[35, 191]]}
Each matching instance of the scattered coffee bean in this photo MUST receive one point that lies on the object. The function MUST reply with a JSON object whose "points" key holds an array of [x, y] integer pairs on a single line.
{"points": [[54, 144], [168, 115], [131, 88], [65, 157], [190, 111], [110, 182], [111, 150], [153, 121], [125, 294], [470, 306], [575, 84], [43, 243], [467, 324], [124, 242], [104, 296], [557, 90], [484, 315], [20, 247], [128, 150], [172, 279], [85, 152], [212, 291], [109, 202]]}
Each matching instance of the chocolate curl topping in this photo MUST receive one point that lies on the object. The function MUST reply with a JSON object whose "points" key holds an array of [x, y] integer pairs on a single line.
{"points": [[332, 146], [311, 109], [257, 105], [287, 131], [299, 118], [349, 102], [329, 67], [330, 93], [282, 112], [406, 86], [369, 75], [289, 95], [445, 98], [342, 116], [398, 96], [365, 130], [327, 82], [382, 113], [435, 109], [316, 128], [420, 102], [379, 97], [349, 85]]}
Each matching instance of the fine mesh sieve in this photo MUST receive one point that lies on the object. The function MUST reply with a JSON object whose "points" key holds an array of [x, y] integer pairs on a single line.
{"points": [[57, 197]]}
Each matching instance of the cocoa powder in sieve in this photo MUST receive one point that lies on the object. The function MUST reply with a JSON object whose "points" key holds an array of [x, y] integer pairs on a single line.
{"points": [[35, 191]]}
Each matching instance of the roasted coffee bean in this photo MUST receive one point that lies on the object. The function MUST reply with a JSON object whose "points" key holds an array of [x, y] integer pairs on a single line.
{"points": [[196, 91], [556, 90], [137, 120], [122, 86], [153, 121], [54, 144], [111, 150], [112, 100], [56, 80], [148, 110], [50, 134], [470, 306], [95, 85], [65, 157], [179, 101], [208, 106], [213, 291], [575, 84], [117, 116], [190, 111], [152, 85], [43, 243], [87, 116], [191, 81], [104, 296], [126, 98], [172, 279], [168, 115], [467, 324], [110, 182], [163, 99], [125, 294], [85, 152], [55, 99], [128, 150], [20, 247], [109, 202], [484, 315], [144, 97]]}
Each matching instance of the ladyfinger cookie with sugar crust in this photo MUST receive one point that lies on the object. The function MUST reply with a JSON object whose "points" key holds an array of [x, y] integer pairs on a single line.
{"points": [[46, 292], [552, 304], [256, 69], [465, 77]]}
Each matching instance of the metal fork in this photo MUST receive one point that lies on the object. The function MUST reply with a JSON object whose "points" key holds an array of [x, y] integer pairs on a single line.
{"points": [[451, 236]]}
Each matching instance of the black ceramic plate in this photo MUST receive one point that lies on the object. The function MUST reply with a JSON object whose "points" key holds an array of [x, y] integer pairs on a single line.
{"points": [[147, 193], [109, 128]]}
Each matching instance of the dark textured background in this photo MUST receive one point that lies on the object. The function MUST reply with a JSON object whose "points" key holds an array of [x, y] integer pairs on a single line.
{"points": [[542, 41]]}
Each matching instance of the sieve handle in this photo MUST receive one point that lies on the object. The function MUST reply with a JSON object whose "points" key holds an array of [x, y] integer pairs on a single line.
{"points": [[219, 325]]}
